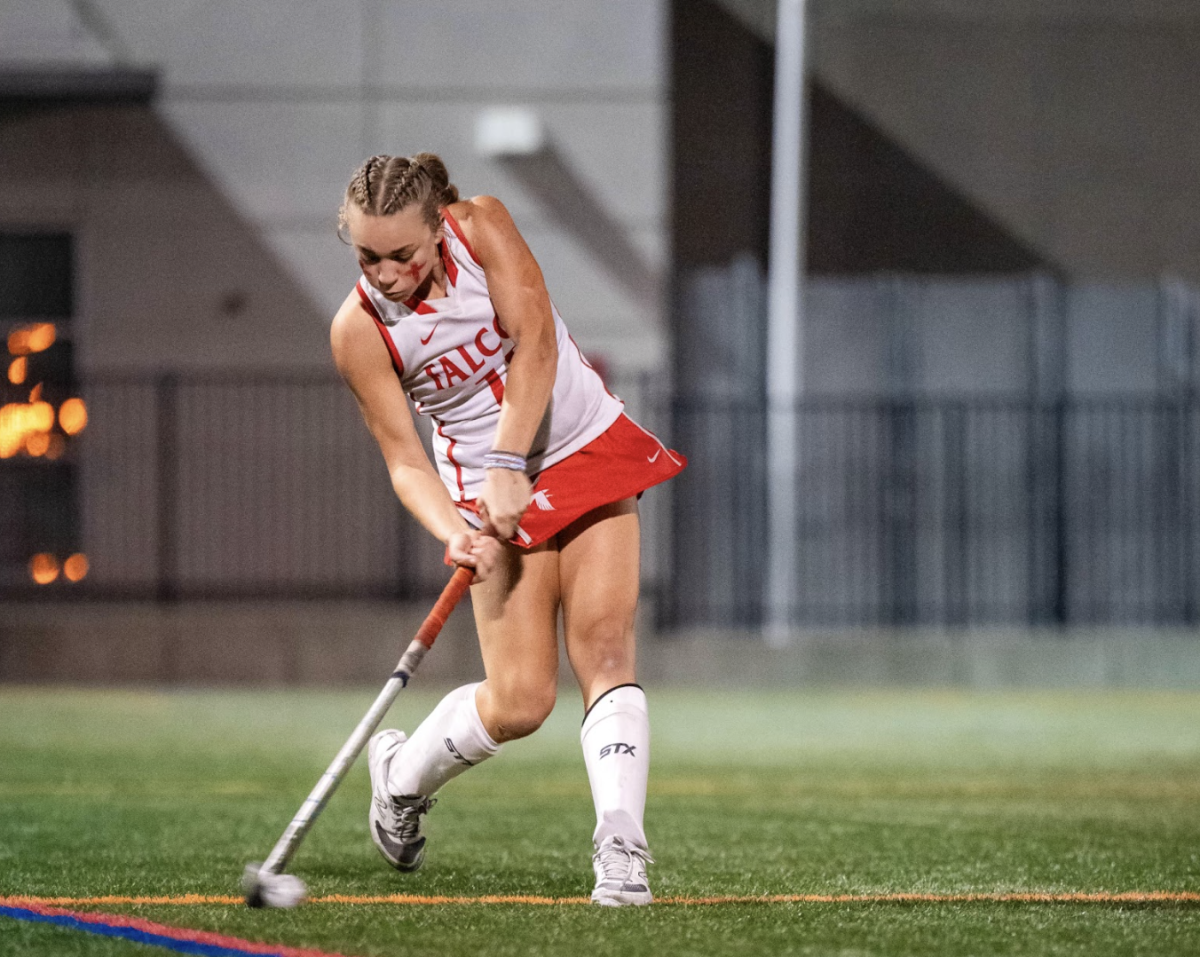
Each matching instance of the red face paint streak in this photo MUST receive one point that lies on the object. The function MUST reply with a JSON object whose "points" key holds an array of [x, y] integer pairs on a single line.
{"points": [[415, 271]]}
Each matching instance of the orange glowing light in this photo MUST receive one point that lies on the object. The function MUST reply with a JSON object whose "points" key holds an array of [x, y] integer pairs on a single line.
{"points": [[38, 444], [72, 416], [19, 421], [76, 567], [18, 369], [34, 338], [42, 336], [41, 416], [12, 429], [43, 567]]}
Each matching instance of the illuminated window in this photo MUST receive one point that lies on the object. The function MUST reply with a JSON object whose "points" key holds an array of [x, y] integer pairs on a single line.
{"points": [[41, 414]]}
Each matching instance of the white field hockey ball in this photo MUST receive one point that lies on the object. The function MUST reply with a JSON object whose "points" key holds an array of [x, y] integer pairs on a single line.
{"points": [[282, 890]]}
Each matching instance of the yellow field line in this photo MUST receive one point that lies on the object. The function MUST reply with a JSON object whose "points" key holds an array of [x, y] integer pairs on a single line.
{"points": [[1030, 897]]}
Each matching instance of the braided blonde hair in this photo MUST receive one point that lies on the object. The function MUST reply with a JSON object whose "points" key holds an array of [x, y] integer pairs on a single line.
{"points": [[387, 184]]}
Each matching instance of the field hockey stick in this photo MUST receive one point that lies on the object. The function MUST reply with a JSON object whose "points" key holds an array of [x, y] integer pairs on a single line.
{"points": [[265, 885]]}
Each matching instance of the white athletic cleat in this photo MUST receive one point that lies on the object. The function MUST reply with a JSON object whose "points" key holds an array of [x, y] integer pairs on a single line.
{"points": [[620, 874], [395, 822]]}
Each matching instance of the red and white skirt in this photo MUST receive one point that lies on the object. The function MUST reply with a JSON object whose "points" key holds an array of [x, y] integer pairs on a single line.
{"points": [[624, 460]]}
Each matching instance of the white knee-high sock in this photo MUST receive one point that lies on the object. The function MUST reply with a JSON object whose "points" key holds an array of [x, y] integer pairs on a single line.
{"points": [[444, 745], [616, 750]]}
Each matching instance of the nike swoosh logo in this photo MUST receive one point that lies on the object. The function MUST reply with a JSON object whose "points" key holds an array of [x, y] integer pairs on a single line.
{"points": [[653, 458], [425, 341]]}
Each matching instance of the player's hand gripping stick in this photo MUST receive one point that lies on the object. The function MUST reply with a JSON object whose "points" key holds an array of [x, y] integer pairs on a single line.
{"points": [[265, 885]]}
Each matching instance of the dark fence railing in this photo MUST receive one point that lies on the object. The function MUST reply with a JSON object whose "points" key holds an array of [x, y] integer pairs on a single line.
{"points": [[922, 512], [949, 512], [230, 486]]}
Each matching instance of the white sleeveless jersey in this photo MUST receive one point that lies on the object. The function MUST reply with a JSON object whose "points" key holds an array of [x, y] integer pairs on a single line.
{"points": [[452, 357]]}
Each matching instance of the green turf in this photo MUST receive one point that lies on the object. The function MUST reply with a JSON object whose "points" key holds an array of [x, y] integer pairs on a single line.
{"points": [[752, 793]]}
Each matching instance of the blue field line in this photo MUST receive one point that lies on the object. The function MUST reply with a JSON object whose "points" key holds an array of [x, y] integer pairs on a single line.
{"points": [[132, 933]]}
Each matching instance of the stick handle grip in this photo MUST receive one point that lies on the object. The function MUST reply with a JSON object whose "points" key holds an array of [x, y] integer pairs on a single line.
{"points": [[459, 582]]}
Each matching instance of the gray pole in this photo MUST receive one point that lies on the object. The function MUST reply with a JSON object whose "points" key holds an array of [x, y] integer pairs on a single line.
{"points": [[785, 342]]}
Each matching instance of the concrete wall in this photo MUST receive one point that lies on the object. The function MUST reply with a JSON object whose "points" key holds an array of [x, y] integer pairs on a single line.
{"points": [[357, 644], [277, 103], [1073, 123], [314, 643], [169, 275]]}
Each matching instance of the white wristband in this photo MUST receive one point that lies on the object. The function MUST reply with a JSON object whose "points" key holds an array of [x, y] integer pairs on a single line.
{"points": [[504, 460]]}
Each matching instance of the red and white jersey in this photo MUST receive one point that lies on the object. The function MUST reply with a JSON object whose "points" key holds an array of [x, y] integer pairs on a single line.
{"points": [[452, 357]]}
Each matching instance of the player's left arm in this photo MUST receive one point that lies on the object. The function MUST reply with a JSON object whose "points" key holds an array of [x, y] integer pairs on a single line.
{"points": [[522, 304]]}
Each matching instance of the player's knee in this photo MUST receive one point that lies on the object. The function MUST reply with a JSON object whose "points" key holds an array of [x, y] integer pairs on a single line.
{"points": [[607, 644], [522, 707]]}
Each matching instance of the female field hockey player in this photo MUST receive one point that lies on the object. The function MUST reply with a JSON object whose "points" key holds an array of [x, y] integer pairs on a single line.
{"points": [[537, 476]]}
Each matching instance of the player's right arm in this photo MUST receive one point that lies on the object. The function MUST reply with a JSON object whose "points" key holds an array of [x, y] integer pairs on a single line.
{"points": [[364, 363]]}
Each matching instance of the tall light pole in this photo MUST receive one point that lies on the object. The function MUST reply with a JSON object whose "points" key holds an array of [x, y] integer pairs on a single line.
{"points": [[785, 327]]}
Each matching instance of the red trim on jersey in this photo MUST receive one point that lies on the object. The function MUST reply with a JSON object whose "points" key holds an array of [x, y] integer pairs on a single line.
{"points": [[462, 237], [397, 363], [450, 456], [449, 264], [366, 301], [493, 380]]}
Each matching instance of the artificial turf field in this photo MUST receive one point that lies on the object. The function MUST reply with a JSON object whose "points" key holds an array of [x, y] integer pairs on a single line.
{"points": [[869, 796]]}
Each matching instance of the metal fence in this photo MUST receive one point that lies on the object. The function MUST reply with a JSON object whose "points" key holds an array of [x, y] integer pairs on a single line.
{"points": [[923, 512], [950, 512], [231, 486]]}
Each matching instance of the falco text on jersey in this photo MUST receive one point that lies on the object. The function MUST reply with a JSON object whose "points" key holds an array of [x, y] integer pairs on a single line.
{"points": [[445, 377]]}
